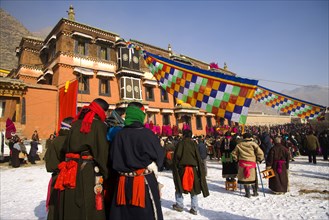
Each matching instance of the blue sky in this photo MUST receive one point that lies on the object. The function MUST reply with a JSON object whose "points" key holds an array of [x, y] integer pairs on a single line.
{"points": [[283, 44]]}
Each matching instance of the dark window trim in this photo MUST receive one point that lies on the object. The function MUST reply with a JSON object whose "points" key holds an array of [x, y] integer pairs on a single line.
{"points": [[78, 40], [163, 119], [198, 122], [146, 92], [87, 91], [162, 96], [108, 94], [208, 121]]}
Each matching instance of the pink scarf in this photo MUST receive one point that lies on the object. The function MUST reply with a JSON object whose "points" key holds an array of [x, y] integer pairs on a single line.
{"points": [[247, 165]]}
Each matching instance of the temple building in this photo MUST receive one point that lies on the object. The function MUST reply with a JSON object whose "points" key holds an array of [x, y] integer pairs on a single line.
{"points": [[104, 67]]}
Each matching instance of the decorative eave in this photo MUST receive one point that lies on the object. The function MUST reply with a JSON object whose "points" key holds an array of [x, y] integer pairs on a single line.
{"points": [[148, 109], [129, 72], [86, 27], [12, 87], [182, 110], [4, 73], [141, 44], [31, 39], [167, 111], [148, 82]]}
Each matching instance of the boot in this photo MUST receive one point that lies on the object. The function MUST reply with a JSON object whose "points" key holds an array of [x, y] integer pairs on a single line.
{"points": [[247, 189], [254, 188]]}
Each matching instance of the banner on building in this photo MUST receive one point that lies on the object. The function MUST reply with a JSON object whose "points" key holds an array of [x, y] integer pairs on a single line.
{"points": [[287, 104], [68, 95], [223, 95]]}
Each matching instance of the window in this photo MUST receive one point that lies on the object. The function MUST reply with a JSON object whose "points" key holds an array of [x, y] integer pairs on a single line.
{"points": [[81, 47], [149, 93], [164, 95], [151, 118], [104, 53], [84, 84], [2, 108], [166, 119], [129, 58], [198, 122], [104, 87], [52, 51], [130, 88], [23, 121], [209, 124], [221, 121]]}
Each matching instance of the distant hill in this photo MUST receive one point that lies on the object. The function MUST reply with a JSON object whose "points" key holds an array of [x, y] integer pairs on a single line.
{"points": [[11, 33], [312, 93]]}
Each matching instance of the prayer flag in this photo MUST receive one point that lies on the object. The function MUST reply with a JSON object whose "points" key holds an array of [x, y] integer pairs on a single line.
{"points": [[287, 104], [223, 95]]}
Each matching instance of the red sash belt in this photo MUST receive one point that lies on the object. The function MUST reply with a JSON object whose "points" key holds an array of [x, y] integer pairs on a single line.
{"points": [[138, 196], [247, 165], [279, 167], [169, 155], [68, 172], [188, 178]]}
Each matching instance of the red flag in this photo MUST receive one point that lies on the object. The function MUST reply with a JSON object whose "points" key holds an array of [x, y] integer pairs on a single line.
{"points": [[68, 95]]}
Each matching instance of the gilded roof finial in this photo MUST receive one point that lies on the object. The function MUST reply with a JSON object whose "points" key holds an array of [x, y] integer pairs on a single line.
{"points": [[71, 13], [169, 49], [225, 66]]}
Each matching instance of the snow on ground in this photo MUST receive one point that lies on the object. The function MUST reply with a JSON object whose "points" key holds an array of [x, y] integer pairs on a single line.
{"points": [[23, 194]]}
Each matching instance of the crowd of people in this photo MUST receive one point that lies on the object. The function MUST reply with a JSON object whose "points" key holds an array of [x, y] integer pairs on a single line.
{"points": [[18, 154], [106, 166]]}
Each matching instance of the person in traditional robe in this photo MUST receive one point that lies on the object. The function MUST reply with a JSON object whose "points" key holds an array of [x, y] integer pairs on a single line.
{"points": [[313, 145], [188, 173], [230, 166], [84, 169], [15, 161], [53, 157], [278, 159], [136, 154], [248, 153], [34, 147]]}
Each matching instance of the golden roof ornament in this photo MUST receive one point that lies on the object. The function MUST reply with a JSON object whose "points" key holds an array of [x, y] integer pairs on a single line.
{"points": [[169, 49], [71, 13], [225, 66]]}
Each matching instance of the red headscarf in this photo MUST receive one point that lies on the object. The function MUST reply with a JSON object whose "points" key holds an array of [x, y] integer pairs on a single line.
{"points": [[94, 109]]}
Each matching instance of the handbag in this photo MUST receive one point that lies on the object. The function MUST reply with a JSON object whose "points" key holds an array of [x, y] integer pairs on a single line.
{"points": [[21, 155]]}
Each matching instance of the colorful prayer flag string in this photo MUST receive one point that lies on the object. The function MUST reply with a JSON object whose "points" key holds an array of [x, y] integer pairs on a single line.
{"points": [[287, 104]]}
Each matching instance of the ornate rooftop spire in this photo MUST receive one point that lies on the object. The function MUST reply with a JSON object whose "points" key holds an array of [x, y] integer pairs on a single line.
{"points": [[71, 13], [169, 49], [225, 66]]}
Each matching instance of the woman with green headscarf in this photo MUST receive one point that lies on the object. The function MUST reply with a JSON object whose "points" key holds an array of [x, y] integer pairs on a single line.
{"points": [[133, 149]]}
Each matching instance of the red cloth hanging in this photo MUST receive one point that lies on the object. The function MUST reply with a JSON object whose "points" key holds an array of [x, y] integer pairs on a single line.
{"points": [[67, 101]]}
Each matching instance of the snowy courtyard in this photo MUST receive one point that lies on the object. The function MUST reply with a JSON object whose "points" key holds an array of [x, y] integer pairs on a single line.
{"points": [[24, 191]]}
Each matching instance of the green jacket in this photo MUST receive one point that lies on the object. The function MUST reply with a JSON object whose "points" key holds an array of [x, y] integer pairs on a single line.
{"points": [[186, 153]]}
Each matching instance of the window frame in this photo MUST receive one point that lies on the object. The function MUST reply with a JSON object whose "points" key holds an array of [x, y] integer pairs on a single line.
{"points": [[164, 95], [198, 122], [124, 88], [164, 116], [208, 121], [108, 93], [86, 84], [149, 93], [81, 42]]}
